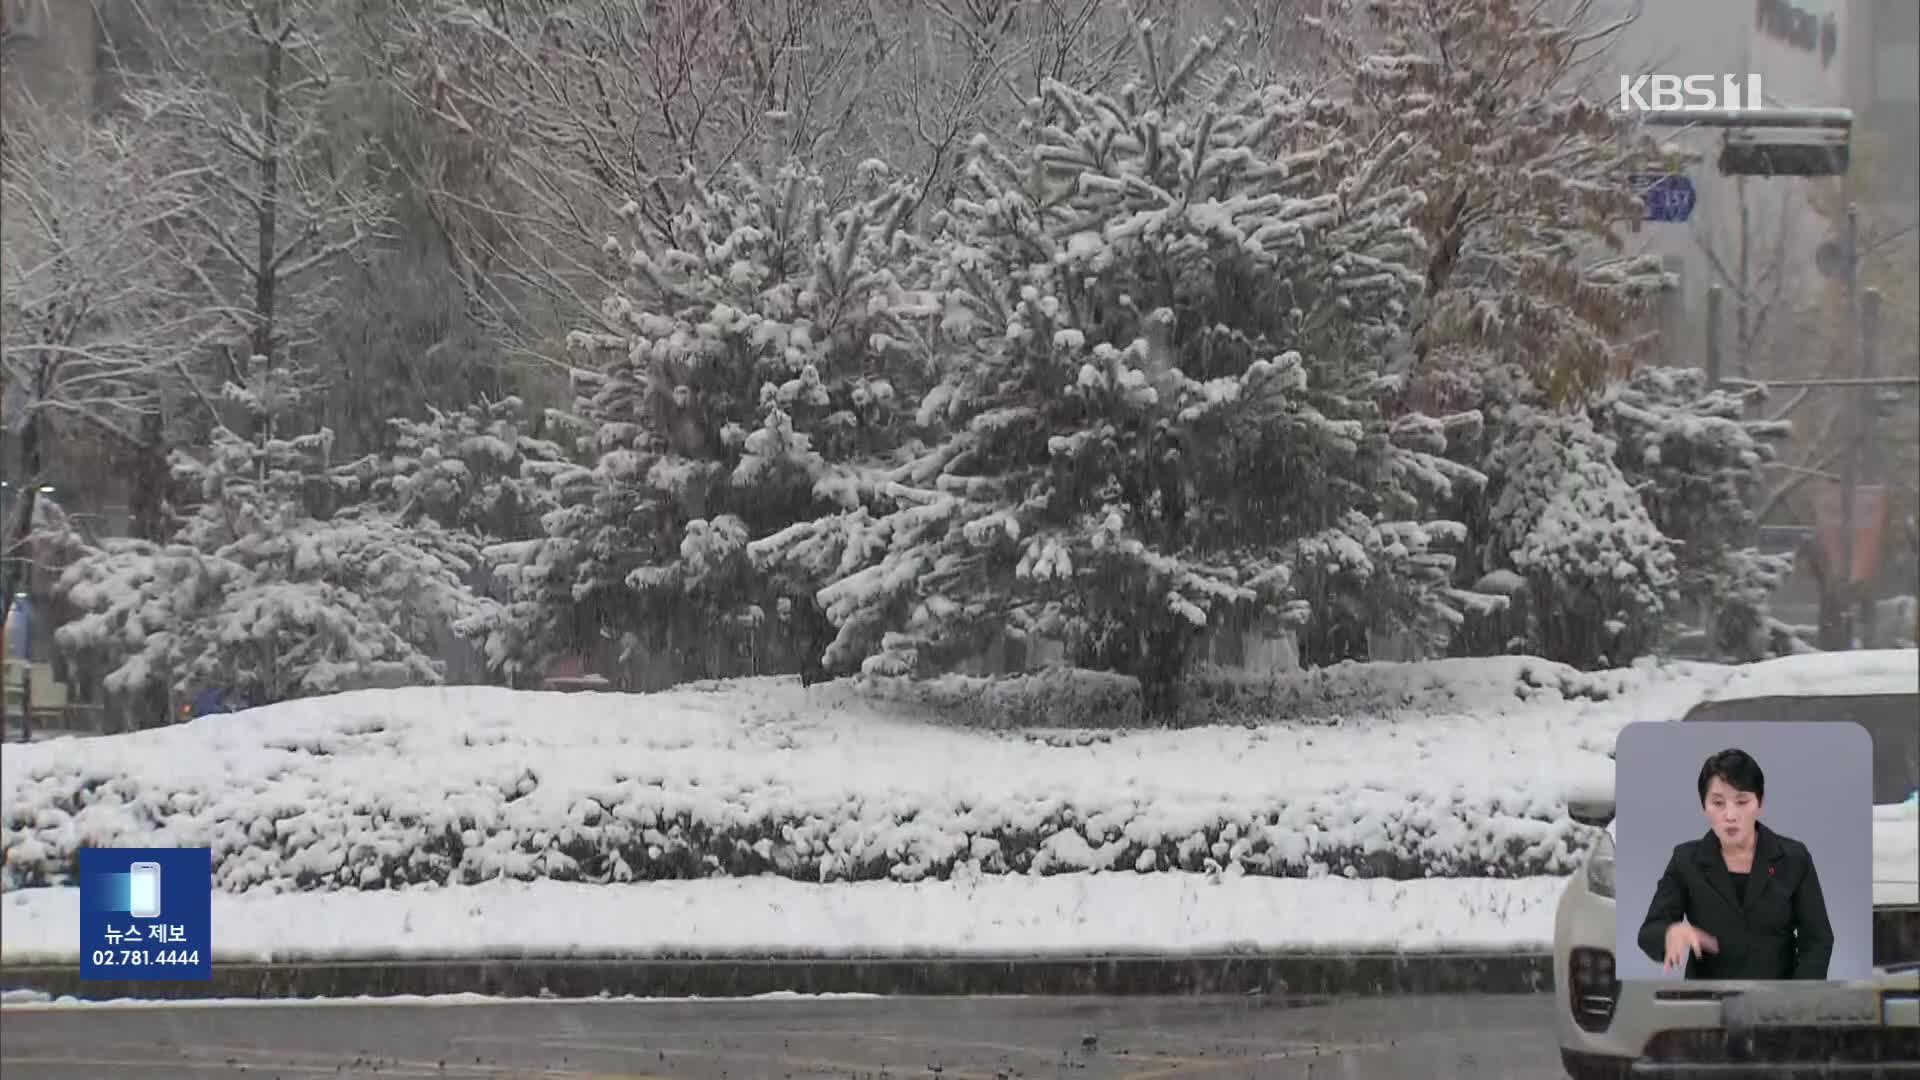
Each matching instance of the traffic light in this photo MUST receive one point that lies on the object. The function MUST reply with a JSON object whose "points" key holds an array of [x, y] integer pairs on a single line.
{"points": [[1771, 142], [1760, 151]]}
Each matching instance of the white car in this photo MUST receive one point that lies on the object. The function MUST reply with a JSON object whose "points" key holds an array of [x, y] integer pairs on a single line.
{"points": [[1607, 1028]]}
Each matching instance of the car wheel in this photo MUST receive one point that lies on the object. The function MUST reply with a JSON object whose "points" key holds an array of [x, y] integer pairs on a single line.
{"points": [[1594, 1066]]}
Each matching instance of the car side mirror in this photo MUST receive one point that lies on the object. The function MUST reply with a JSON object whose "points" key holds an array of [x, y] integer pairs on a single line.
{"points": [[1591, 808]]}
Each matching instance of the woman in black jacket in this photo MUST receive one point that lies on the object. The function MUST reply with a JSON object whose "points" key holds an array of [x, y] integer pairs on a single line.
{"points": [[1742, 902]]}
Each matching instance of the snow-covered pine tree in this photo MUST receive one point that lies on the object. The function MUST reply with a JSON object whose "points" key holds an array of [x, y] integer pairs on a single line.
{"points": [[1527, 183], [485, 468], [1699, 465], [567, 581], [755, 377], [1166, 316], [267, 590], [1602, 578], [1695, 465], [488, 472]]}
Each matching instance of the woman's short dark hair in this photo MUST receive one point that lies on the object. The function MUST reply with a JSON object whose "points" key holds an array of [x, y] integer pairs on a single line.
{"points": [[1738, 769]]}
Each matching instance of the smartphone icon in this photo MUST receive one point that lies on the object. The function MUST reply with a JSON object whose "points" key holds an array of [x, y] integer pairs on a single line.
{"points": [[143, 890]]}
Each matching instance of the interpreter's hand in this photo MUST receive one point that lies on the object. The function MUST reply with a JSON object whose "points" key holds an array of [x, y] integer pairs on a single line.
{"points": [[1684, 938]]}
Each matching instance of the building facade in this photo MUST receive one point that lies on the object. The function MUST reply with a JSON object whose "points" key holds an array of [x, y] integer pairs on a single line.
{"points": [[1884, 88]]}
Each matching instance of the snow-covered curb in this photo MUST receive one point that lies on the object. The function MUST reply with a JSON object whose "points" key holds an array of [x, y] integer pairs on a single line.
{"points": [[379, 789], [1068, 915]]}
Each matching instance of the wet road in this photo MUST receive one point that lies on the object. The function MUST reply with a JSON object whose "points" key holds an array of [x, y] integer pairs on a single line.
{"points": [[1485, 1038]]}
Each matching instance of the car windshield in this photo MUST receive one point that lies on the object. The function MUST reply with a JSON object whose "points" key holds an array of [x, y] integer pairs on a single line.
{"points": [[1888, 718]]}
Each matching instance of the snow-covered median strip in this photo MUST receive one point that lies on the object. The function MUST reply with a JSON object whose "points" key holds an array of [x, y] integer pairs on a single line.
{"points": [[1078, 914], [462, 785]]}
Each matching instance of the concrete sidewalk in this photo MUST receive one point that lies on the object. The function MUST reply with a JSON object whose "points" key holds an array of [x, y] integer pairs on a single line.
{"points": [[1349, 974]]}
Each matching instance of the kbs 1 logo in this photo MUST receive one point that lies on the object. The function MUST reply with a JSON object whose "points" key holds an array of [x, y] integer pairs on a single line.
{"points": [[1689, 93]]}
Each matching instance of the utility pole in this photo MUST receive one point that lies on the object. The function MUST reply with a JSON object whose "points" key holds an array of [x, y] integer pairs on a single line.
{"points": [[1861, 450], [1846, 633], [1742, 313], [1715, 294], [1714, 370], [1856, 599]]}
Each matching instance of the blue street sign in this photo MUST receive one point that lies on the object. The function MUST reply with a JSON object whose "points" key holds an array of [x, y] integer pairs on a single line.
{"points": [[1668, 197]]}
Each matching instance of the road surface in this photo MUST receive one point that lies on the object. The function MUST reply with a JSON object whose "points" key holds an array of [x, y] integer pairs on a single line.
{"points": [[1448, 1038]]}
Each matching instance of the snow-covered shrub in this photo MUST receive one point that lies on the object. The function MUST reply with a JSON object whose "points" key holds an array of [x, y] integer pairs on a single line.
{"points": [[1347, 692], [1101, 702], [1603, 578], [1165, 318], [1686, 452], [268, 591], [1053, 697], [1698, 463]]}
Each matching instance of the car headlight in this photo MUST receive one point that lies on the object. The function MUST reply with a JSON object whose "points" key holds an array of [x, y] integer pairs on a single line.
{"points": [[1600, 866]]}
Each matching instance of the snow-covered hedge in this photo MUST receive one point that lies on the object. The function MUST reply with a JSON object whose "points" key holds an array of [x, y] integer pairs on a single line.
{"points": [[1050, 698], [631, 832], [380, 788], [1060, 697]]}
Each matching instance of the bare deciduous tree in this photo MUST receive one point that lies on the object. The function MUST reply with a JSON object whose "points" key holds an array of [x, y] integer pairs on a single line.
{"points": [[96, 320], [547, 120], [568, 114], [249, 89]]}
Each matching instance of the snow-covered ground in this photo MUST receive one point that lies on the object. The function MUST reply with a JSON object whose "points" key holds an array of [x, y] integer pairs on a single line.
{"points": [[1450, 769], [1011, 915], [1406, 807], [1869, 671]]}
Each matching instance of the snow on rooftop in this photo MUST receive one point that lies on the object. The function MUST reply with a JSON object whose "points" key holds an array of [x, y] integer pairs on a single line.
{"points": [[1868, 671]]}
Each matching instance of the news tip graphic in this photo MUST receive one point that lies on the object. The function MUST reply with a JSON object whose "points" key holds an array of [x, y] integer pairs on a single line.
{"points": [[146, 914]]}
